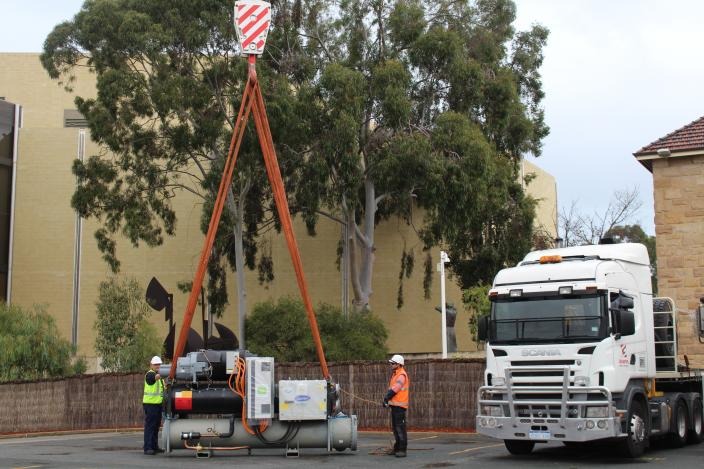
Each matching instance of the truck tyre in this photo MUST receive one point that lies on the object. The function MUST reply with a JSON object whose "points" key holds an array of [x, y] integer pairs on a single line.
{"points": [[679, 426], [519, 447], [637, 426], [695, 428]]}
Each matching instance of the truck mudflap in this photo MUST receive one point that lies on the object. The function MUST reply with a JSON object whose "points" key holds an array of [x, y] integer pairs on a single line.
{"points": [[527, 411]]}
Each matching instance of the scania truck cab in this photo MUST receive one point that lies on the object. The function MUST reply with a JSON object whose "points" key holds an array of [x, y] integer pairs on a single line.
{"points": [[578, 350]]}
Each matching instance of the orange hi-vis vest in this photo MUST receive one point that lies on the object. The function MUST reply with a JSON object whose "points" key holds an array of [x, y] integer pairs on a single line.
{"points": [[400, 399]]}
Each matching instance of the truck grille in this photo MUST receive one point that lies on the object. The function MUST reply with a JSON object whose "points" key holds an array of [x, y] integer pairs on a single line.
{"points": [[549, 377], [542, 362], [549, 373]]}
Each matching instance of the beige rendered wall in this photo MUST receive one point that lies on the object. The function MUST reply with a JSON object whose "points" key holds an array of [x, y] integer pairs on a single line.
{"points": [[23, 81], [678, 184], [44, 236], [543, 188]]}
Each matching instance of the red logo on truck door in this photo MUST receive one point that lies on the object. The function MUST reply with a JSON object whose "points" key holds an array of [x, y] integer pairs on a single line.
{"points": [[623, 360]]}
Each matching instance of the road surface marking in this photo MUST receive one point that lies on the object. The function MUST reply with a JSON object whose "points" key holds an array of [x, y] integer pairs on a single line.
{"points": [[20, 440], [424, 438], [474, 449]]}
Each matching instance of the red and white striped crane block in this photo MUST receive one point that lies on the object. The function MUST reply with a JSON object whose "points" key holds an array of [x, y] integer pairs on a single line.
{"points": [[252, 20]]}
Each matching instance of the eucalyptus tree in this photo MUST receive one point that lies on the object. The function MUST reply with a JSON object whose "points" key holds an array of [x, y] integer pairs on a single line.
{"points": [[376, 106], [426, 104], [169, 80]]}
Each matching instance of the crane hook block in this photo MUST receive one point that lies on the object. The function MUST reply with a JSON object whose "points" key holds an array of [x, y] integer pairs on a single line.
{"points": [[252, 20]]}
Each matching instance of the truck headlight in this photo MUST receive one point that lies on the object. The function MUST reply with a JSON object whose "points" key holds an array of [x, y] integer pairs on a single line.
{"points": [[581, 381], [597, 412], [499, 381], [492, 410]]}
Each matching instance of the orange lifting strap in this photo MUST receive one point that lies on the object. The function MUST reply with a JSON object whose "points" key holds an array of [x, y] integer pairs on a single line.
{"points": [[252, 101]]}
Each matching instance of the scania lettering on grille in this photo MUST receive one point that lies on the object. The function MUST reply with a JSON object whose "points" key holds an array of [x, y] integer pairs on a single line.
{"points": [[540, 352]]}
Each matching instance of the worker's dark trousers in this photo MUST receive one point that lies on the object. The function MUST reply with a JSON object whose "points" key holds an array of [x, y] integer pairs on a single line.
{"points": [[152, 422], [398, 424]]}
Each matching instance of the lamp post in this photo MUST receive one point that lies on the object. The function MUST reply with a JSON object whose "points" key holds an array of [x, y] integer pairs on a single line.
{"points": [[441, 268]]}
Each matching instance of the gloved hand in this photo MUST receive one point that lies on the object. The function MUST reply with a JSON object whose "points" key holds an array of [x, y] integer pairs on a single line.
{"points": [[386, 402]]}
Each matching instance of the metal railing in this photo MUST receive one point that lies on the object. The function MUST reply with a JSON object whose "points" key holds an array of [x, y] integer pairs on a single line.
{"points": [[665, 334]]}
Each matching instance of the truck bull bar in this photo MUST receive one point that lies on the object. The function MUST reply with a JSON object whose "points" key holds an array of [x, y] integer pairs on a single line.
{"points": [[486, 396]]}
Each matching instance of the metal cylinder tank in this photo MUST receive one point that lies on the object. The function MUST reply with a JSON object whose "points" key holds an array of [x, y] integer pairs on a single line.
{"points": [[338, 433], [204, 401]]}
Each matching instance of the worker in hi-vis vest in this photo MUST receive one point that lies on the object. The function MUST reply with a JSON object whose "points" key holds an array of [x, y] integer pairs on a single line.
{"points": [[397, 398], [153, 397]]}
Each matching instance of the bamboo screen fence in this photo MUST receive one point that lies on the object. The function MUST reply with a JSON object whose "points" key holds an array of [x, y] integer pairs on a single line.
{"points": [[443, 397]]}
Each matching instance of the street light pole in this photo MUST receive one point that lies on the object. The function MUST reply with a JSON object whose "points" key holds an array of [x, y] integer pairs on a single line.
{"points": [[441, 266]]}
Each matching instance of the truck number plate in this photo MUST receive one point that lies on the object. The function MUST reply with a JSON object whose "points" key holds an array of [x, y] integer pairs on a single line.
{"points": [[533, 435]]}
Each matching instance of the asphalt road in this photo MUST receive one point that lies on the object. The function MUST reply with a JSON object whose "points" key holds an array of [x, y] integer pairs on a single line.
{"points": [[426, 450]]}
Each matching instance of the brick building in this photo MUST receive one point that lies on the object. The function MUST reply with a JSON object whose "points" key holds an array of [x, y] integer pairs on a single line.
{"points": [[677, 164]]}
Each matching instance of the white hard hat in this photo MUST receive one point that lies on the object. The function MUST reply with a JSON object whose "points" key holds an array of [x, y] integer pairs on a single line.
{"points": [[156, 360], [397, 359]]}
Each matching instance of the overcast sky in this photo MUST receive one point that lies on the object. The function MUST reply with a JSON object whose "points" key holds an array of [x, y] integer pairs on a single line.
{"points": [[617, 75]]}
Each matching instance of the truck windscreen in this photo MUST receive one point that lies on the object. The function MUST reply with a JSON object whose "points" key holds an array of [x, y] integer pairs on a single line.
{"points": [[548, 319]]}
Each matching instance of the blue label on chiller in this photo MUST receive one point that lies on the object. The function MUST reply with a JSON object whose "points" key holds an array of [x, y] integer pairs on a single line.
{"points": [[302, 398]]}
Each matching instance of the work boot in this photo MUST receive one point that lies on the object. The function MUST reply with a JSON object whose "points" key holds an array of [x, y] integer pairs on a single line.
{"points": [[390, 452], [149, 452], [400, 454]]}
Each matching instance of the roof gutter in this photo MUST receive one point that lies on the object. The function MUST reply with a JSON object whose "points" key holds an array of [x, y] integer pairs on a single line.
{"points": [[646, 158]]}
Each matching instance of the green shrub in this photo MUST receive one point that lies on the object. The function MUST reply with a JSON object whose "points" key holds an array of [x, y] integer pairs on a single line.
{"points": [[476, 301], [32, 347], [125, 339], [281, 330]]}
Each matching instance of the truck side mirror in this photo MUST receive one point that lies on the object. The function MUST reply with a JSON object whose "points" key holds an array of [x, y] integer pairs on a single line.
{"points": [[483, 328], [700, 321], [627, 322], [623, 323]]}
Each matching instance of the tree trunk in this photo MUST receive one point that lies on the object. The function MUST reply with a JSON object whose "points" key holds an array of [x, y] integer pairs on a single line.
{"points": [[361, 242]]}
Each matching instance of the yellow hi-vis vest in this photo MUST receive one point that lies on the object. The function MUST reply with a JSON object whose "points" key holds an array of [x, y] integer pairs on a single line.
{"points": [[153, 393]]}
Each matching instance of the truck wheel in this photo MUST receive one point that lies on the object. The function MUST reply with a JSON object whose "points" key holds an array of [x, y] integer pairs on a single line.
{"points": [[679, 425], [636, 440], [519, 447], [695, 429]]}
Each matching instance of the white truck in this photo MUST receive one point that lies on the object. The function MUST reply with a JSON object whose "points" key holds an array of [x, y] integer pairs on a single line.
{"points": [[578, 350]]}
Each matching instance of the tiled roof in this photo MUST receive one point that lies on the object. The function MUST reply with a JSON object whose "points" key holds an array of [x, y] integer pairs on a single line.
{"points": [[688, 138]]}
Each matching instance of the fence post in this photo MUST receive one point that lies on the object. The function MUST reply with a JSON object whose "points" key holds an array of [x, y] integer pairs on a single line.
{"points": [[350, 367], [431, 387]]}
